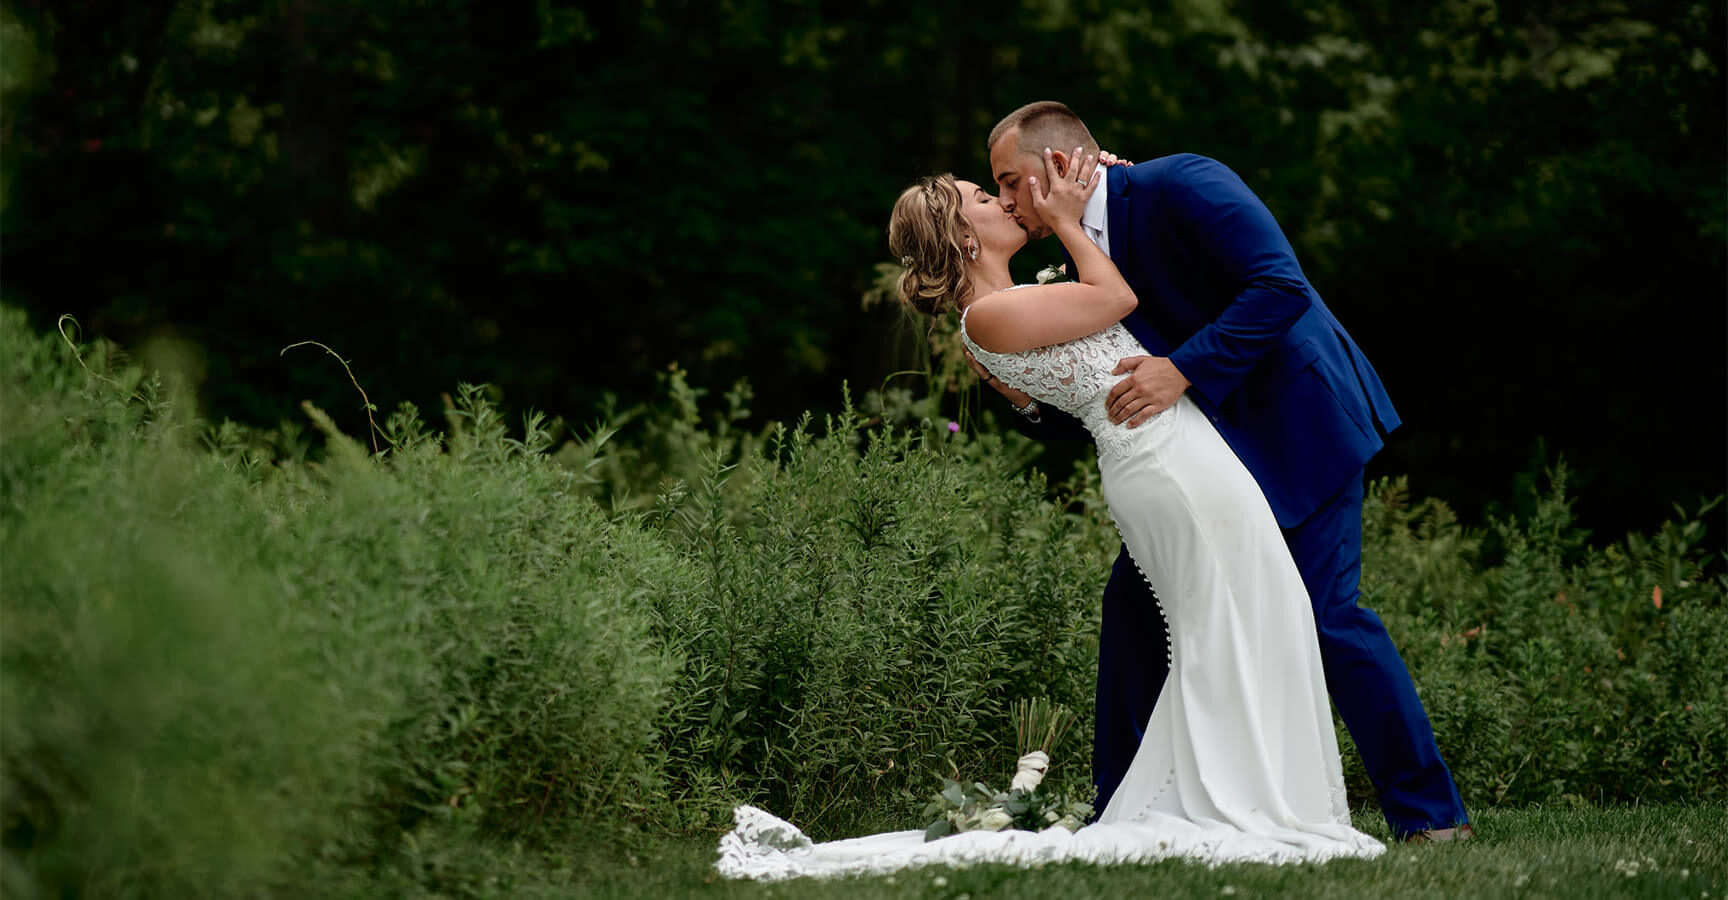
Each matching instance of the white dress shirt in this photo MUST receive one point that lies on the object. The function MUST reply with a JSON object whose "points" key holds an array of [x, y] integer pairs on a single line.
{"points": [[1095, 218]]}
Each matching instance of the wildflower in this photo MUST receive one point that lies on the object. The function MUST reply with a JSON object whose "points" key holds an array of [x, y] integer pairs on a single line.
{"points": [[953, 427]]}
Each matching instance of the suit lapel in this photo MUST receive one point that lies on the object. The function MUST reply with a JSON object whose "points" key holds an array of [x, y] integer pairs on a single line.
{"points": [[1121, 226], [1116, 208]]}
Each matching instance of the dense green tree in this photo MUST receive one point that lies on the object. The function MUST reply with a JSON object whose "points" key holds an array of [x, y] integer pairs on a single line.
{"points": [[1516, 207]]}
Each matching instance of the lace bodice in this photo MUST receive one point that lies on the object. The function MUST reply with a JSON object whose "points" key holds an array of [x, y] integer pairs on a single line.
{"points": [[1074, 376]]}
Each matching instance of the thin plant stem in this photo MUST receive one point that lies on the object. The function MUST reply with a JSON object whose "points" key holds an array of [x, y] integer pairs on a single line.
{"points": [[364, 399]]}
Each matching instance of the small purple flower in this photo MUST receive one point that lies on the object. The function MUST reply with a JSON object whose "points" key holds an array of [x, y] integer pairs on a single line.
{"points": [[953, 427]]}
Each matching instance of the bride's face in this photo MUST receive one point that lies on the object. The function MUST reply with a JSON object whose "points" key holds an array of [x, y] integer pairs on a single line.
{"points": [[992, 225]]}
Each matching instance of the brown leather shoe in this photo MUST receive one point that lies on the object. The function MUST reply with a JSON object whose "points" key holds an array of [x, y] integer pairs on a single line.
{"points": [[1463, 832]]}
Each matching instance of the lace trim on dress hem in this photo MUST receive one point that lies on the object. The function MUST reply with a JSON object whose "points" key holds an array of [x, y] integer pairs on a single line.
{"points": [[766, 848]]}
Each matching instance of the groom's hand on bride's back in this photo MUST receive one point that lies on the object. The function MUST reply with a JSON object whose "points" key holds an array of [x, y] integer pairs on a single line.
{"points": [[1153, 385], [1018, 398]]}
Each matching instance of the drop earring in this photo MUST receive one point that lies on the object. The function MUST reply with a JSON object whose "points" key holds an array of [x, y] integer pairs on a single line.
{"points": [[974, 251]]}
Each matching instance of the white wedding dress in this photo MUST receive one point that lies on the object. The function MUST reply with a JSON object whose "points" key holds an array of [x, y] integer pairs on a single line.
{"points": [[1239, 762]]}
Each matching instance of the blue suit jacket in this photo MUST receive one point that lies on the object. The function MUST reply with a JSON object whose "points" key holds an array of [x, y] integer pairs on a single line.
{"points": [[1222, 296]]}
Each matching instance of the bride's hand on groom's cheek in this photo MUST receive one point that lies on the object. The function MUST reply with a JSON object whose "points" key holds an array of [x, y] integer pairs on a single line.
{"points": [[1066, 186]]}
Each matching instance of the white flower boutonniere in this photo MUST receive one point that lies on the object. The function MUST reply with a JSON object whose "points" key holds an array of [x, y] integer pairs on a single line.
{"points": [[1053, 273]]}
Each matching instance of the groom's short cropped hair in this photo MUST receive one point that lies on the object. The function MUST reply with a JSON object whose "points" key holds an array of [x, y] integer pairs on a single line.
{"points": [[1045, 123]]}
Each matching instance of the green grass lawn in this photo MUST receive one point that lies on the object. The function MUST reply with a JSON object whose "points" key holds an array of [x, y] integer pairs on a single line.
{"points": [[1667, 852]]}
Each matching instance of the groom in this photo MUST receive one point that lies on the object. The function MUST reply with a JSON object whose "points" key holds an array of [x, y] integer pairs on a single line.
{"points": [[1232, 322]]}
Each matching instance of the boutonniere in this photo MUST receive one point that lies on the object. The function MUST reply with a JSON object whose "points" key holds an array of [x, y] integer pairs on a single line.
{"points": [[1053, 273]]}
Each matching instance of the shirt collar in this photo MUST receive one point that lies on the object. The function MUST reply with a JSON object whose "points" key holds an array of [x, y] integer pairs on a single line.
{"points": [[1097, 211]]}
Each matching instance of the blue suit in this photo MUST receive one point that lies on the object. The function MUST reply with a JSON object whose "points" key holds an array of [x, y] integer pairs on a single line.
{"points": [[1223, 297]]}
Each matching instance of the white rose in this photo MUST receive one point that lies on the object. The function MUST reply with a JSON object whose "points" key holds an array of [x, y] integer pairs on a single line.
{"points": [[996, 820], [1031, 771], [1068, 822]]}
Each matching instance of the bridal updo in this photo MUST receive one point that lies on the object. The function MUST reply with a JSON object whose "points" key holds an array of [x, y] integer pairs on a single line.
{"points": [[925, 231]]}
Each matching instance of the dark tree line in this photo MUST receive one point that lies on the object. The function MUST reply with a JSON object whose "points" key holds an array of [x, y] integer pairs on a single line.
{"points": [[1517, 208]]}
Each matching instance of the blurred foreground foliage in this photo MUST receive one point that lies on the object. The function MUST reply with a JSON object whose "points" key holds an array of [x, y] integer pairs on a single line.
{"points": [[230, 668]]}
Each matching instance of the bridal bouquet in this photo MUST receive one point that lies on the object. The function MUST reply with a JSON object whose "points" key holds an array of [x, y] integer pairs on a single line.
{"points": [[1023, 806]]}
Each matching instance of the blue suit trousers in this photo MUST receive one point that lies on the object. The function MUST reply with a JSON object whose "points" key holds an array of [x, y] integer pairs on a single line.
{"points": [[1369, 683]]}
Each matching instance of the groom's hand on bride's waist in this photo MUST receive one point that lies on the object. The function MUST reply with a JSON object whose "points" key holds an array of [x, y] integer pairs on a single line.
{"points": [[1153, 385]]}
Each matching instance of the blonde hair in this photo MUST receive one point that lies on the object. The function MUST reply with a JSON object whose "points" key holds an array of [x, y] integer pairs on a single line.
{"points": [[925, 231]]}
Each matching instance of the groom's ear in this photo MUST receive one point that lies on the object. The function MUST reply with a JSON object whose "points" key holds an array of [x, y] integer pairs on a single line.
{"points": [[1060, 160]]}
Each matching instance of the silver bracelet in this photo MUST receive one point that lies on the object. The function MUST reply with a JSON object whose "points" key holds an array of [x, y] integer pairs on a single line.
{"points": [[1030, 411]]}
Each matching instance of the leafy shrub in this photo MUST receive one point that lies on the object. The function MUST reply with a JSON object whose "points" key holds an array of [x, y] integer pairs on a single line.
{"points": [[872, 604], [232, 668], [165, 728], [221, 669], [512, 612], [635, 452], [1553, 671], [1564, 672]]}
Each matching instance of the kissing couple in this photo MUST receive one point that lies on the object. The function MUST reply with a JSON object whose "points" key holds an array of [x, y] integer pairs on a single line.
{"points": [[1233, 415]]}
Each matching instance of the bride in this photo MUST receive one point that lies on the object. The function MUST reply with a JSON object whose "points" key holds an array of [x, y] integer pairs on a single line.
{"points": [[1239, 761]]}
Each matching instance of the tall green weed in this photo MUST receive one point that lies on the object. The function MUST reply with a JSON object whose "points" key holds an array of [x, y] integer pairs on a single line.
{"points": [[254, 663], [872, 604], [164, 728], [1554, 670], [228, 670], [1560, 672]]}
